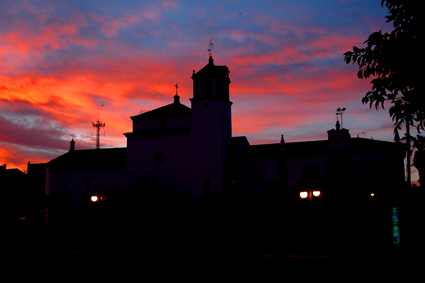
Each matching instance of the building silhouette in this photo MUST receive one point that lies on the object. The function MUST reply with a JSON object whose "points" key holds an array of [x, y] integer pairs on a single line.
{"points": [[182, 159]]}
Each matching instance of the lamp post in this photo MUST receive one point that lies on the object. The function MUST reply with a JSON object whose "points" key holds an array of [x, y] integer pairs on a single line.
{"points": [[312, 216], [97, 198]]}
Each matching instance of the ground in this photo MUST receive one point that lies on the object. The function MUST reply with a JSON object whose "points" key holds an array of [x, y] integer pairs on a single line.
{"points": [[54, 256]]}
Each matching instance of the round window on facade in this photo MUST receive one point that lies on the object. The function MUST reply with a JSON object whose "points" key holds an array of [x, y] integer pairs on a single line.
{"points": [[163, 124], [159, 158]]}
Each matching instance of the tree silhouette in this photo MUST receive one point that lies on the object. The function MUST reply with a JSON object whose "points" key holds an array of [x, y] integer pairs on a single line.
{"points": [[396, 60]]}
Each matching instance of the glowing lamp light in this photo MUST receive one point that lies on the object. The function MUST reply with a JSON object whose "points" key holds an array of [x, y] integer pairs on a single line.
{"points": [[93, 198], [372, 194], [303, 194], [316, 193]]}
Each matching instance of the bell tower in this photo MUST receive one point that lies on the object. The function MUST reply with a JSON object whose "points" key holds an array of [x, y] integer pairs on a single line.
{"points": [[211, 129]]}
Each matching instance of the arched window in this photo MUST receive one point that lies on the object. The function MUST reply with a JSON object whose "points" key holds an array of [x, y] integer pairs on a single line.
{"points": [[206, 88]]}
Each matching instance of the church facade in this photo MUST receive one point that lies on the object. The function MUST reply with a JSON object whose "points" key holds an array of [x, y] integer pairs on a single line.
{"points": [[190, 153]]}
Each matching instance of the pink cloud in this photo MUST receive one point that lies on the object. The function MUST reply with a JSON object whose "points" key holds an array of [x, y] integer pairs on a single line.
{"points": [[111, 27]]}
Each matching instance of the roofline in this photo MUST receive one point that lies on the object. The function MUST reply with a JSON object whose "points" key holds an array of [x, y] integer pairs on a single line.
{"points": [[147, 112], [159, 132]]}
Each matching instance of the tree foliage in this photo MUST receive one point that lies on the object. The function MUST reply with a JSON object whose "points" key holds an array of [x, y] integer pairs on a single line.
{"points": [[396, 60]]}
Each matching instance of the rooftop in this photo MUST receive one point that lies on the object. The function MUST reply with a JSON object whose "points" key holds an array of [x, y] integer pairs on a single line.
{"points": [[90, 159], [173, 110]]}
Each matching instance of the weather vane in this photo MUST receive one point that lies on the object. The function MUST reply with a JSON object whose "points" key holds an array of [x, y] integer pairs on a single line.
{"points": [[176, 88], [210, 46]]}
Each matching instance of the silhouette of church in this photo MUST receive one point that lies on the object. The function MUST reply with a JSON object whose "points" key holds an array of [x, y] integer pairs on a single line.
{"points": [[191, 154]]}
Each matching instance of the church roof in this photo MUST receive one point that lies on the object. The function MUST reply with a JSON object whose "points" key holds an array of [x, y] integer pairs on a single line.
{"points": [[370, 145], [14, 172], [264, 151], [173, 110], [90, 159], [212, 71], [36, 168]]}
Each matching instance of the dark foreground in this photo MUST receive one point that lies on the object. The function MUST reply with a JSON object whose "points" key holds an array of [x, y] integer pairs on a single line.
{"points": [[132, 266], [134, 256]]}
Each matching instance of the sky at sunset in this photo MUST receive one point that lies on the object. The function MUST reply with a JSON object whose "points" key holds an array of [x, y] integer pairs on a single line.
{"points": [[61, 60]]}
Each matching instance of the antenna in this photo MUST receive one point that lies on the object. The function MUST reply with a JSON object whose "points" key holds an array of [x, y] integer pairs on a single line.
{"points": [[98, 124], [210, 46]]}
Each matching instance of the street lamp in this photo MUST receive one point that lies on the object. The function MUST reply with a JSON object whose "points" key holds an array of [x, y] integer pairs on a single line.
{"points": [[310, 193], [95, 198]]}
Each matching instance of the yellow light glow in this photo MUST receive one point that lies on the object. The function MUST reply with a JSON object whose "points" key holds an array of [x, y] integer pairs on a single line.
{"points": [[303, 194], [316, 193], [93, 198], [372, 194]]}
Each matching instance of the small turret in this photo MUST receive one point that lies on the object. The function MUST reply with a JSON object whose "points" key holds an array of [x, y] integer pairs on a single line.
{"points": [[283, 164], [72, 145], [282, 147], [338, 137], [337, 125], [176, 99]]}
